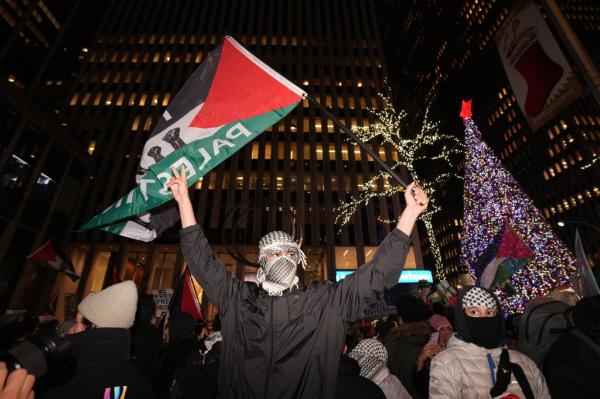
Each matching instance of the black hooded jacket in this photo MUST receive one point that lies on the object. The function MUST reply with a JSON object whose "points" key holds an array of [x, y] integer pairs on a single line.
{"points": [[287, 346]]}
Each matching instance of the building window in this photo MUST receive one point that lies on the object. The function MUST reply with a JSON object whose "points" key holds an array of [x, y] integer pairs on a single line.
{"points": [[136, 123]]}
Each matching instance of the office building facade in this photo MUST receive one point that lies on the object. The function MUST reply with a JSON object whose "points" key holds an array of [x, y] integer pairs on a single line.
{"points": [[292, 177]]}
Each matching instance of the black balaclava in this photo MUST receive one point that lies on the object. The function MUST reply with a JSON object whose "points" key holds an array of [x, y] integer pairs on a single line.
{"points": [[487, 332]]}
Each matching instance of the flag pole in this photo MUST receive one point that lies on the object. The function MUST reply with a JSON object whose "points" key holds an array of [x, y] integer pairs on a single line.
{"points": [[368, 149]]}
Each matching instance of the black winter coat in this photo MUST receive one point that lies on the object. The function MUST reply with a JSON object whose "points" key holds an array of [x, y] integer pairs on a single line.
{"points": [[288, 346], [103, 362], [572, 367], [404, 344]]}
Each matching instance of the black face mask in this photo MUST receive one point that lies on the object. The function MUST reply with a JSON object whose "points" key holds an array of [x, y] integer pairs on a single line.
{"points": [[485, 331]]}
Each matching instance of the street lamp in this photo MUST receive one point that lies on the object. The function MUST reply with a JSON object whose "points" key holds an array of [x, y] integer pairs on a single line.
{"points": [[562, 224]]}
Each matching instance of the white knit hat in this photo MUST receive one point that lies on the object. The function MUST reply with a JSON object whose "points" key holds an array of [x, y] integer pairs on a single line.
{"points": [[113, 307]]}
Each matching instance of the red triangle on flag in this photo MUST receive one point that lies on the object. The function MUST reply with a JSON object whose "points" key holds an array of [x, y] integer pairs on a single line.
{"points": [[241, 89], [44, 253], [512, 245], [189, 299]]}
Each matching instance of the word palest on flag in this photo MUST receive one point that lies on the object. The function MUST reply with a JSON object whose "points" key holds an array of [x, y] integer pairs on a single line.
{"points": [[227, 102]]}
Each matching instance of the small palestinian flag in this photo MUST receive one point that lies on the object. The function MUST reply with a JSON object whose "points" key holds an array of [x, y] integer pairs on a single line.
{"points": [[227, 102], [512, 255], [52, 257]]}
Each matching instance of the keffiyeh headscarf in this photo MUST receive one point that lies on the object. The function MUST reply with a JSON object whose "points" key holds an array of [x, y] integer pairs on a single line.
{"points": [[371, 356], [487, 332], [279, 274], [477, 296]]}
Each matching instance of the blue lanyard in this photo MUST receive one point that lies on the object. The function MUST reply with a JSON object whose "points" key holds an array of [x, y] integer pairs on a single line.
{"points": [[492, 367]]}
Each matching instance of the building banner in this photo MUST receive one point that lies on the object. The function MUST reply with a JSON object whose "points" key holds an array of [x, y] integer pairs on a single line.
{"points": [[227, 102], [537, 69]]}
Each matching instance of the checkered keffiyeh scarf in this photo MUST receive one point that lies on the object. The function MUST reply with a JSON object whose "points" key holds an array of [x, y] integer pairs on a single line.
{"points": [[279, 274], [477, 296], [371, 356]]}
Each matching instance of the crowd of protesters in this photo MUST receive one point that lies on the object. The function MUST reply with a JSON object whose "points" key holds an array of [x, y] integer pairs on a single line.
{"points": [[467, 350], [283, 339]]}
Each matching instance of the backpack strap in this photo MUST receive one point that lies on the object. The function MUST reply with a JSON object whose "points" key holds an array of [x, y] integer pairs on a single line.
{"points": [[583, 337], [505, 370]]}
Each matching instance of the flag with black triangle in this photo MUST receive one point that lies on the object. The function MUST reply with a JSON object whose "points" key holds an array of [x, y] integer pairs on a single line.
{"points": [[51, 256]]}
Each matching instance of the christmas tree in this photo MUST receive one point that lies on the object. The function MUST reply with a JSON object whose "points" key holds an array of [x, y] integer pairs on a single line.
{"points": [[493, 200]]}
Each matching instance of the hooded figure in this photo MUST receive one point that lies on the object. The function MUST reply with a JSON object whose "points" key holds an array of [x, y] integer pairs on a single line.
{"points": [[406, 341], [184, 349], [572, 365], [372, 357], [283, 339], [476, 363]]}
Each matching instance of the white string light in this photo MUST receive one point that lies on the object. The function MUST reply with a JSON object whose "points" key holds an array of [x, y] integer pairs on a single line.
{"points": [[390, 130]]}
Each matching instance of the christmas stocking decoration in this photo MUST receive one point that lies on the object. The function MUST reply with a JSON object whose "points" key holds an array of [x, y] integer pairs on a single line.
{"points": [[541, 74]]}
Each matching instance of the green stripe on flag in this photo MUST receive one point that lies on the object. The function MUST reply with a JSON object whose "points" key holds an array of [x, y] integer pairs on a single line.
{"points": [[199, 157]]}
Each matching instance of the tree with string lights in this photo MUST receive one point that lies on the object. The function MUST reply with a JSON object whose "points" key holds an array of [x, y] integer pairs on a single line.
{"points": [[436, 151], [492, 200]]}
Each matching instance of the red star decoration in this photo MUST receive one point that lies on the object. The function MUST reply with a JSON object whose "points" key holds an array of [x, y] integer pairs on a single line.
{"points": [[465, 112]]}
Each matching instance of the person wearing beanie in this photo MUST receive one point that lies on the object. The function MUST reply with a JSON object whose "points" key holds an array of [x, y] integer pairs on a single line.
{"points": [[282, 339], [476, 362], [101, 349], [371, 356], [409, 346], [443, 327], [572, 365]]}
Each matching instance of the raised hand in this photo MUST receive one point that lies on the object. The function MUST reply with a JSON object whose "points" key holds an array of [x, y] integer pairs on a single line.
{"points": [[416, 204], [416, 198], [179, 188], [178, 185]]}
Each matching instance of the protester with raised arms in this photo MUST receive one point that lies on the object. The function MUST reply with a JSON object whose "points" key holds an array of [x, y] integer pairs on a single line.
{"points": [[282, 339]]}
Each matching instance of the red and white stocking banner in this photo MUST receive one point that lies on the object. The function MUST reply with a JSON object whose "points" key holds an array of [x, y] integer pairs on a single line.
{"points": [[538, 71]]}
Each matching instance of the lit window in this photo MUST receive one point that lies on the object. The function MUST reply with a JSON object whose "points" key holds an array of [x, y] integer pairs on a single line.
{"points": [[108, 100], [148, 123], [136, 123], [166, 99], [97, 99], [142, 100], [74, 99], [120, 99], [91, 147]]}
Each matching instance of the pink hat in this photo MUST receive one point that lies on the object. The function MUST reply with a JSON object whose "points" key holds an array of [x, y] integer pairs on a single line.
{"points": [[438, 321]]}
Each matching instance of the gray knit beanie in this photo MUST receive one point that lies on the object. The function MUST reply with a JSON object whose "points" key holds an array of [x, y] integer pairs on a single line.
{"points": [[113, 307]]}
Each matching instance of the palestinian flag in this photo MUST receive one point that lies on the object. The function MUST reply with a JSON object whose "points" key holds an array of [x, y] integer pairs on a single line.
{"points": [[227, 102], [52, 257], [512, 254], [185, 297]]}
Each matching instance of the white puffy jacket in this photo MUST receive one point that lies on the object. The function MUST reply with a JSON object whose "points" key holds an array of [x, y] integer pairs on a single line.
{"points": [[463, 370]]}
